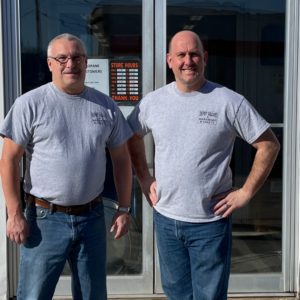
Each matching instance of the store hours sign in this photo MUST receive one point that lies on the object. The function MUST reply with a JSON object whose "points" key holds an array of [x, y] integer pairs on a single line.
{"points": [[120, 79], [125, 80]]}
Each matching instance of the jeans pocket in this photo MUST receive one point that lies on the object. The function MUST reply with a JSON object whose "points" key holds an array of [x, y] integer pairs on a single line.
{"points": [[36, 212], [98, 209]]}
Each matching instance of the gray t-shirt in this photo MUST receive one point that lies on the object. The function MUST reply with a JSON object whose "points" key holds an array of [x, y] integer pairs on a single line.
{"points": [[194, 135], [65, 138]]}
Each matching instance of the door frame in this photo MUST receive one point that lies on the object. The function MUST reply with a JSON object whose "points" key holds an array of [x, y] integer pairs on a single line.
{"points": [[116, 285], [285, 283], [288, 281]]}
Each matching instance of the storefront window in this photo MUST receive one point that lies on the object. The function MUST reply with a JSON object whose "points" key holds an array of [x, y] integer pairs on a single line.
{"points": [[112, 33], [245, 44]]}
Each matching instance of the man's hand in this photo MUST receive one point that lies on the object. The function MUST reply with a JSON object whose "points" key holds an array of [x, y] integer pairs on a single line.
{"points": [[267, 149], [148, 187], [17, 228], [121, 221], [231, 200]]}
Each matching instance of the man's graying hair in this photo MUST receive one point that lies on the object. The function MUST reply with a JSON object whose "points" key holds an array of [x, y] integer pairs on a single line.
{"points": [[65, 36]]}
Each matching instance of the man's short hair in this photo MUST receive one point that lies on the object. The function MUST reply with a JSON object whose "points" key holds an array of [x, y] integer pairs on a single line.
{"points": [[170, 42], [65, 36]]}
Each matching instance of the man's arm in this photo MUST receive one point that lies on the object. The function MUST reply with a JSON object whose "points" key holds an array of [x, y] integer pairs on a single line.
{"points": [[267, 147], [136, 148], [17, 227], [123, 182]]}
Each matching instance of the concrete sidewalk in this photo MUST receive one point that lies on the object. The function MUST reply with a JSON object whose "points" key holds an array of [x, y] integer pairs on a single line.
{"points": [[274, 298], [156, 298]]}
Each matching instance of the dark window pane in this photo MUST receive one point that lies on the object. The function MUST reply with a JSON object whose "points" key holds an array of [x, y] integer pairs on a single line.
{"points": [[245, 44], [111, 31]]}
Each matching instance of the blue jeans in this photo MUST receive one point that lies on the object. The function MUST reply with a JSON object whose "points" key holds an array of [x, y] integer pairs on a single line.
{"points": [[54, 239], [194, 258]]}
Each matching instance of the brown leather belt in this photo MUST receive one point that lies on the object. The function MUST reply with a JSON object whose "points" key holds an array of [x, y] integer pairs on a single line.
{"points": [[70, 210]]}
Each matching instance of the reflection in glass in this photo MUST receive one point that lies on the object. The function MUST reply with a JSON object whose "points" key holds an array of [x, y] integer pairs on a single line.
{"points": [[124, 256], [257, 227], [111, 30], [245, 44]]}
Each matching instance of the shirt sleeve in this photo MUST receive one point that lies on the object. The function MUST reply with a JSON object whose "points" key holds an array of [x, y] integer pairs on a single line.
{"points": [[17, 125], [121, 131], [248, 123], [137, 120]]}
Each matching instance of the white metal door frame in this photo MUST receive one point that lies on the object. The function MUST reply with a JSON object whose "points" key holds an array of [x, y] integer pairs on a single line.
{"points": [[271, 284], [289, 280], [117, 285], [3, 244]]}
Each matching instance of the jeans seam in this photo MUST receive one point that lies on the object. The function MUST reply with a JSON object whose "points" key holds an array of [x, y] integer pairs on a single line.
{"points": [[226, 260]]}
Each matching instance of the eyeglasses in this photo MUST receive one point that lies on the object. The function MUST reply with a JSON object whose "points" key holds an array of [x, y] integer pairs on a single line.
{"points": [[63, 60]]}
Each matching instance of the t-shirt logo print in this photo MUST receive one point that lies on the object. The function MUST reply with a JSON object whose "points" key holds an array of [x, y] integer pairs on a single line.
{"points": [[208, 117], [99, 118]]}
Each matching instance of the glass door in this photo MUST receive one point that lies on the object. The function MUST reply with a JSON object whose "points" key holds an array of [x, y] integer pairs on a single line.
{"points": [[119, 41], [245, 41]]}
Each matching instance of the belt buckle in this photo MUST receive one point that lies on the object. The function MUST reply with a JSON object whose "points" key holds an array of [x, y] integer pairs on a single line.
{"points": [[68, 210]]}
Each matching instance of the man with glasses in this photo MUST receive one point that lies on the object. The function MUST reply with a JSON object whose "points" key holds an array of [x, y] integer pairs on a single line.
{"points": [[64, 127], [194, 123]]}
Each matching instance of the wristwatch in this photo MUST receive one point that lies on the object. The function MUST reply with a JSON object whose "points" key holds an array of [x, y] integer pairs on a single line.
{"points": [[125, 209]]}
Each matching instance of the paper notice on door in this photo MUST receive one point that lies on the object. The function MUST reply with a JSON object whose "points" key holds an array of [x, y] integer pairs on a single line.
{"points": [[97, 75]]}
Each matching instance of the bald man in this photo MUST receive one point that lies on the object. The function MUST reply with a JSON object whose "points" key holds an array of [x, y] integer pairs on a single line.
{"points": [[194, 123]]}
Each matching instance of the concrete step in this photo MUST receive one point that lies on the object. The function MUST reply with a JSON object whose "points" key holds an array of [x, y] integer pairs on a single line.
{"points": [[274, 298], [163, 298]]}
